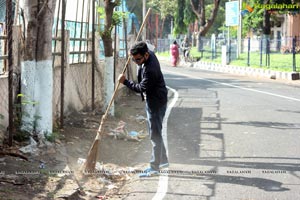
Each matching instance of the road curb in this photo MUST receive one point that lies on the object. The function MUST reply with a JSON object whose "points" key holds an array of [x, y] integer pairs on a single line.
{"points": [[248, 71], [245, 71]]}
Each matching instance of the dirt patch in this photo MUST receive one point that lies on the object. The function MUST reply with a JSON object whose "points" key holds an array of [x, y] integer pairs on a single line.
{"points": [[55, 173]]}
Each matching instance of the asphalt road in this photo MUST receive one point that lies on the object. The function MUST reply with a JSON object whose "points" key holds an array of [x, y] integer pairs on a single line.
{"points": [[229, 138]]}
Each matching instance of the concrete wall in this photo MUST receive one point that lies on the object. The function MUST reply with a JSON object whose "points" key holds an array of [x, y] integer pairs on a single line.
{"points": [[3, 101], [78, 89], [78, 85]]}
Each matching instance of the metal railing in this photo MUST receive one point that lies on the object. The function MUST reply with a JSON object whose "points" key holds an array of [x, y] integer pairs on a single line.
{"points": [[255, 51]]}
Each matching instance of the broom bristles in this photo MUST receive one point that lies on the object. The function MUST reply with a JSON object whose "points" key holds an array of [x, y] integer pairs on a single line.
{"points": [[90, 163]]}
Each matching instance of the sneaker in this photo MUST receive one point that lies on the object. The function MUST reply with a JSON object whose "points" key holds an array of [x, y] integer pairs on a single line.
{"points": [[149, 172], [164, 165]]}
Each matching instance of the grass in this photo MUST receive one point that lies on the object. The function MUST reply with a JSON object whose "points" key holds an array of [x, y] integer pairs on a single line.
{"points": [[278, 61]]}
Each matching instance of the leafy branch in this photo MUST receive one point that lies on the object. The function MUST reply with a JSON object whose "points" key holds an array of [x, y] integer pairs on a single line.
{"points": [[117, 18]]}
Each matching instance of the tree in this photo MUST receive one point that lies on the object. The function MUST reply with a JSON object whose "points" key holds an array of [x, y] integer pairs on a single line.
{"points": [[262, 13], [198, 7], [180, 27], [266, 20], [164, 8], [252, 20], [111, 19], [183, 16], [37, 73], [219, 21]]}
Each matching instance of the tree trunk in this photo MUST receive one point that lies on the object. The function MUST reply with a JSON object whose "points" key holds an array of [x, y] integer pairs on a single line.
{"points": [[266, 23], [156, 28], [108, 53], [162, 27], [200, 13], [107, 42], [266, 29], [37, 73], [108, 26]]}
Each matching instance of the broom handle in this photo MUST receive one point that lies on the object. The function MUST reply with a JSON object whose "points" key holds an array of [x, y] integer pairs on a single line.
{"points": [[124, 69]]}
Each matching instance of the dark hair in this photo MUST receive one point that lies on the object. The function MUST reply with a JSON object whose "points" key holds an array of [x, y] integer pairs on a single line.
{"points": [[139, 48], [174, 42]]}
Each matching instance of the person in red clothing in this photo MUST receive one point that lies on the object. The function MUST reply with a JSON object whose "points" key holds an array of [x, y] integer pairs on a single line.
{"points": [[174, 51]]}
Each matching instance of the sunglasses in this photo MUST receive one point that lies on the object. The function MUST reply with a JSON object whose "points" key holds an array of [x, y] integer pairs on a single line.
{"points": [[137, 60]]}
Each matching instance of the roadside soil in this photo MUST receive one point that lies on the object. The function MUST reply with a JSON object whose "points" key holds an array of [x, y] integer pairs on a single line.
{"points": [[55, 171]]}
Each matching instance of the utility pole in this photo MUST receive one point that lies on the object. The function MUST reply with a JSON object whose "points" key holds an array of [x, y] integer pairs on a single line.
{"points": [[240, 27]]}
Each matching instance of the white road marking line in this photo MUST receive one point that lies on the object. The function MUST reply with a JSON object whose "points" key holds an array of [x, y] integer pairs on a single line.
{"points": [[163, 179], [235, 86]]}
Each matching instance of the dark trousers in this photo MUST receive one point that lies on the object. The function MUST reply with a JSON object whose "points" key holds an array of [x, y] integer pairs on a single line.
{"points": [[155, 120]]}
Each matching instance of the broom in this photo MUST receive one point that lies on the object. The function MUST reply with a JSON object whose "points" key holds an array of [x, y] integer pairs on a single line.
{"points": [[90, 163]]}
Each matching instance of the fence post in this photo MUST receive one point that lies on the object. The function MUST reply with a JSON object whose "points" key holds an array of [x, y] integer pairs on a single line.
{"points": [[213, 46], [229, 52], [248, 56], [200, 43], [93, 54], [294, 54], [267, 52], [260, 51], [62, 82], [9, 23]]}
